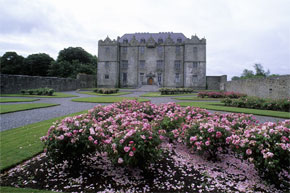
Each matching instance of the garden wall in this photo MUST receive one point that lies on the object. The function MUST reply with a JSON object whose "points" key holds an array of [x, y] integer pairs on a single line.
{"points": [[271, 87], [14, 83], [216, 82]]}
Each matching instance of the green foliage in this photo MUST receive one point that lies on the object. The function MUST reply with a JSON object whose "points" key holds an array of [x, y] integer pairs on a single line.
{"points": [[37, 64], [106, 90], [259, 103], [172, 91], [12, 63], [260, 73], [38, 91]]}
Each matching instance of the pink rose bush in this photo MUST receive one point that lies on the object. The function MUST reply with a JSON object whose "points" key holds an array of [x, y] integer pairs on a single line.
{"points": [[267, 146], [131, 133]]}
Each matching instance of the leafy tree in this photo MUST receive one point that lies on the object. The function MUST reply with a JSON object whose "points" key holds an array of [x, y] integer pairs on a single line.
{"points": [[260, 72], [61, 69], [247, 73], [37, 64], [75, 53], [235, 78], [12, 63]]}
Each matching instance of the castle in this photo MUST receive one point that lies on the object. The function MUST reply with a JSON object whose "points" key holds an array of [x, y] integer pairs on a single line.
{"points": [[163, 59]]}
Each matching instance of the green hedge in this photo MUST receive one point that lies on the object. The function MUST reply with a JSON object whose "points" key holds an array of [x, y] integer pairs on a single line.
{"points": [[106, 90], [38, 91], [259, 103], [171, 91]]}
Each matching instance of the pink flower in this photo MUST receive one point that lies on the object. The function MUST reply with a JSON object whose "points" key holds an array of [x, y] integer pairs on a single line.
{"points": [[248, 151], [143, 136], [131, 142], [131, 154], [193, 138], [161, 137], [96, 142], [60, 137], [120, 161], [218, 134], [91, 138], [207, 143], [210, 130], [126, 148], [121, 141]]}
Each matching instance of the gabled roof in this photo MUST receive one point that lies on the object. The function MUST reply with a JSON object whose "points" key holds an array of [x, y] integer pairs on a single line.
{"points": [[155, 36]]}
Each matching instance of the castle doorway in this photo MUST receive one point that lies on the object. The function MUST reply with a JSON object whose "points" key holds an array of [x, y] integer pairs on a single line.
{"points": [[150, 81]]}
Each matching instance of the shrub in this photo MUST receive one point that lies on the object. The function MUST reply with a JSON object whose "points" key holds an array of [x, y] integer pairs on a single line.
{"points": [[39, 91], [220, 95], [106, 90], [30, 91], [22, 91], [171, 91]]}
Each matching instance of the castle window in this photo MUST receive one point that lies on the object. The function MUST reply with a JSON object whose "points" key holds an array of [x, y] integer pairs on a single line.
{"points": [[124, 64], [125, 41], [142, 78], [142, 63], [177, 50], [177, 77], [194, 64], [179, 40], [160, 41], [177, 64], [107, 50], [142, 49], [124, 50], [124, 77], [142, 41], [194, 78], [159, 49], [159, 78], [159, 64], [107, 76], [107, 65]]}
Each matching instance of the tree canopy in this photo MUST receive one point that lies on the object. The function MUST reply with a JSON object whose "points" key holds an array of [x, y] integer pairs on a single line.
{"points": [[37, 64], [12, 63]]}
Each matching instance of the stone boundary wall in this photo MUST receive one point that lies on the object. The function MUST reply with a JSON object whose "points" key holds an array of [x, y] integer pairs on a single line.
{"points": [[271, 87], [14, 83], [215, 82]]}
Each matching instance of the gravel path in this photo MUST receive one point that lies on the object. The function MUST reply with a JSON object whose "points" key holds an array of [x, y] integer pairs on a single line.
{"points": [[21, 118]]}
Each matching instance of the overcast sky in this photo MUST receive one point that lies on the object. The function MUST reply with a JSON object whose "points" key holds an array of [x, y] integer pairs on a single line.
{"points": [[239, 33]]}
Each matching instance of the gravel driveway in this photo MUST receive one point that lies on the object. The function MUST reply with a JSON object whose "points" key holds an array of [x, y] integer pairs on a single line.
{"points": [[21, 118]]}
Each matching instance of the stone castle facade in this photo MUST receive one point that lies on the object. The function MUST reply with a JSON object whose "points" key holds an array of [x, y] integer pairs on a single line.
{"points": [[162, 59]]}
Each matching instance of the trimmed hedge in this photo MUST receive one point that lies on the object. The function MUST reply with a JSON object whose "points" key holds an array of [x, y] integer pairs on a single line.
{"points": [[259, 103], [220, 95], [171, 91], [38, 91], [106, 90]]}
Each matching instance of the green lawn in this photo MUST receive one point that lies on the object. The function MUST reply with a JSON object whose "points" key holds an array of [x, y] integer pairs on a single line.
{"points": [[107, 99], [158, 94], [98, 94], [195, 98], [13, 100], [220, 107], [23, 107], [4, 189], [22, 143], [55, 95]]}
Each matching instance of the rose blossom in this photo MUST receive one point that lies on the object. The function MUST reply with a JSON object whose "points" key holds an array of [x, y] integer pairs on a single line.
{"points": [[131, 154], [207, 143], [126, 148], [90, 138], [120, 160], [248, 151], [218, 134]]}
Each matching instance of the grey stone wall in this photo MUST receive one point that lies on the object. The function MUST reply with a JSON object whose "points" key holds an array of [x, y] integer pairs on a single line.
{"points": [[271, 87], [216, 82], [14, 83]]}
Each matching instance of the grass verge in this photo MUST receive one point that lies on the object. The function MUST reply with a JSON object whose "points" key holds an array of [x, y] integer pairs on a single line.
{"points": [[23, 107], [158, 94], [98, 94], [220, 107], [107, 99], [5, 189], [195, 98], [22, 143], [55, 95], [14, 100]]}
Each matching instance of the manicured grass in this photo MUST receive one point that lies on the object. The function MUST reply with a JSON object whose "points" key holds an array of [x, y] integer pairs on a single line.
{"points": [[55, 95], [107, 99], [22, 143], [220, 107], [158, 94], [195, 98], [23, 107], [13, 100], [98, 94], [5, 189]]}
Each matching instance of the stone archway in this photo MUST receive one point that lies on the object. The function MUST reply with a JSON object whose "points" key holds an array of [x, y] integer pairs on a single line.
{"points": [[150, 81]]}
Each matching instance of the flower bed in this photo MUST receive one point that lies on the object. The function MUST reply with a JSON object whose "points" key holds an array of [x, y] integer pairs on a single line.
{"points": [[38, 91], [106, 90], [259, 103], [206, 153], [172, 91], [220, 95]]}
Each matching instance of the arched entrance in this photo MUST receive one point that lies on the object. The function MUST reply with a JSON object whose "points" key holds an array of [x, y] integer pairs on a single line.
{"points": [[150, 81]]}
